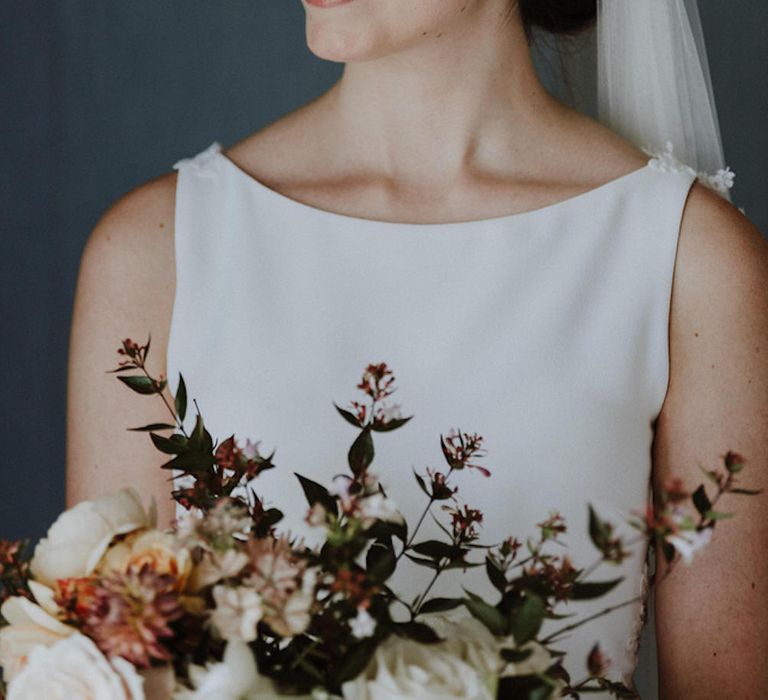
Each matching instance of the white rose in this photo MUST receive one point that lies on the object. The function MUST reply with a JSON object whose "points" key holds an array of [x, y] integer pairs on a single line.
{"points": [[29, 625], [79, 537], [402, 669], [538, 661], [16, 644], [471, 640], [235, 677], [74, 668]]}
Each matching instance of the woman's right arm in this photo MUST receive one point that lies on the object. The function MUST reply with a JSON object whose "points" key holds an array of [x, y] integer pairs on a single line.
{"points": [[125, 289]]}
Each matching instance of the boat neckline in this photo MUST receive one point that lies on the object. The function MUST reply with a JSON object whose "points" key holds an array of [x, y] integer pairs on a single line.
{"points": [[435, 225]]}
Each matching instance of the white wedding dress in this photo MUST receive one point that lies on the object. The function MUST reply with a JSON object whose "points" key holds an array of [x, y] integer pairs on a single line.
{"points": [[545, 331]]}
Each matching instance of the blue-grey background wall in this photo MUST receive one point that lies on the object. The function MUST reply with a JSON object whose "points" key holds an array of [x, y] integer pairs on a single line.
{"points": [[98, 97]]}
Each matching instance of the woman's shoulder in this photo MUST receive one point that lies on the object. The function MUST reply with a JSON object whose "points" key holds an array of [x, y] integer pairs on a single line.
{"points": [[127, 267], [721, 255], [133, 236]]}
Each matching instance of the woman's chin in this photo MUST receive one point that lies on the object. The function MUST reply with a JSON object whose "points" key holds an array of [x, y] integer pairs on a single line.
{"points": [[334, 44]]}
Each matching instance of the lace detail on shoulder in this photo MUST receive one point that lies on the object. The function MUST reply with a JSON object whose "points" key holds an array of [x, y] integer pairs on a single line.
{"points": [[664, 160], [200, 162]]}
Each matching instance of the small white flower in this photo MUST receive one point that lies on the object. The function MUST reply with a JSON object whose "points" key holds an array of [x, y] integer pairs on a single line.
{"points": [[340, 486], [389, 413], [216, 565], [238, 611], [294, 617], [690, 542], [363, 625], [378, 507]]}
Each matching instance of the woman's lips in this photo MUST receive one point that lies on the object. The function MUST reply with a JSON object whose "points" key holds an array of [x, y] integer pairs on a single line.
{"points": [[327, 3]]}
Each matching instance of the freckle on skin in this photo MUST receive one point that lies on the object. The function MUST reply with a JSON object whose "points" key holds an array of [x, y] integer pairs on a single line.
{"points": [[439, 34], [162, 225], [696, 334]]}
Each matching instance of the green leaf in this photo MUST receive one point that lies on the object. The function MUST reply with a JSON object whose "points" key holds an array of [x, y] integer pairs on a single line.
{"points": [[491, 617], [354, 662], [181, 399], [176, 444], [418, 631], [380, 560], [141, 385], [386, 529], [389, 425], [710, 474], [701, 500], [461, 564], [422, 485], [361, 453], [528, 687], [317, 493], [525, 621], [191, 462], [270, 518], [586, 590], [155, 426], [436, 605], [495, 575], [200, 440], [429, 563], [348, 416], [437, 550], [717, 515], [515, 655], [599, 530]]}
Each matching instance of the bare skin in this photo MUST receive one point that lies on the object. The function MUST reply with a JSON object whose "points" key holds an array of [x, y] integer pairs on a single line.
{"points": [[439, 116]]}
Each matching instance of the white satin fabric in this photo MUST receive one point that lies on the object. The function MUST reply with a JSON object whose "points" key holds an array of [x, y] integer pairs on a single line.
{"points": [[544, 331]]}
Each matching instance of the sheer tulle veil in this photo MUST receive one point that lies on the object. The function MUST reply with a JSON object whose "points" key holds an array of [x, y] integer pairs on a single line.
{"points": [[642, 70]]}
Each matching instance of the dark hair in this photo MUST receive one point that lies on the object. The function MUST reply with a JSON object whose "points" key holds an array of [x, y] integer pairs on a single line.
{"points": [[558, 16]]}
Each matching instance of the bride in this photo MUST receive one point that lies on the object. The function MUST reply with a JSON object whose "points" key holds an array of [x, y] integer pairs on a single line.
{"points": [[510, 257]]}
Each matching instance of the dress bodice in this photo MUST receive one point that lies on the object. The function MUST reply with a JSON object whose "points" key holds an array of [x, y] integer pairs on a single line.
{"points": [[545, 331]]}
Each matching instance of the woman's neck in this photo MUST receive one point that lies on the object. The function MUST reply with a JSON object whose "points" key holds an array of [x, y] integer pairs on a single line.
{"points": [[446, 105]]}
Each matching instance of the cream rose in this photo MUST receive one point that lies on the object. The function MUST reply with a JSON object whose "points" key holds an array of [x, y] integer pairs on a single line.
{"points": [[74, 668], [79, 537], [402, 669], [235, 677], [161, 550], [29, 625]]}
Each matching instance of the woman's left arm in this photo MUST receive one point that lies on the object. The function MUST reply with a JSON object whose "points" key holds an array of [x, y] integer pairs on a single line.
{"points": [[712, 616]]}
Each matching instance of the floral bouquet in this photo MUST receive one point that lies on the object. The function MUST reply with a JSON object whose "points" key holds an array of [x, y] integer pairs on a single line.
{"points": [[226, 606]]}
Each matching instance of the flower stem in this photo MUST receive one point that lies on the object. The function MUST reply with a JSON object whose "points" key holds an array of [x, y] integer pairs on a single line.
{"points": [[604, 611]]}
